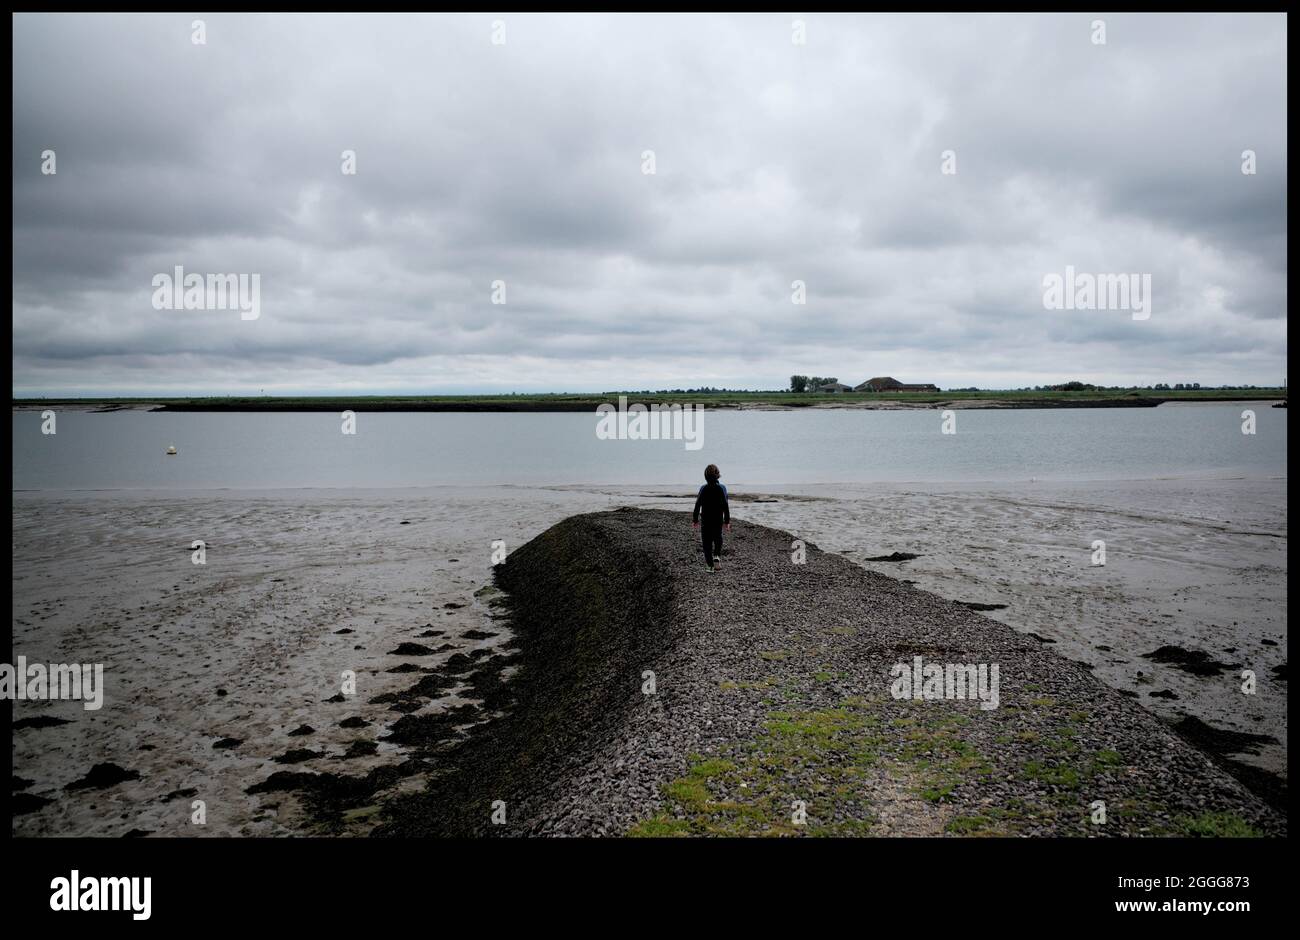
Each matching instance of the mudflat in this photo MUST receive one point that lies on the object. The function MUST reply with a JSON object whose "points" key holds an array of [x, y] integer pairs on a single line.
{"points": [[220, 676]]}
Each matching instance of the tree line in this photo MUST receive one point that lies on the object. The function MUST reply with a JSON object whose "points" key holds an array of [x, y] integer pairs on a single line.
{"points": [[803, 383]]}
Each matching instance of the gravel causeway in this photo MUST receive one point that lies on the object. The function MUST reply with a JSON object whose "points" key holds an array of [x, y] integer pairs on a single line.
{"points": [[653, 697]]}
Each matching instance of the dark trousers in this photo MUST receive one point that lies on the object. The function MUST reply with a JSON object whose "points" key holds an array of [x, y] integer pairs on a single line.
{"points": [[711, 536]]}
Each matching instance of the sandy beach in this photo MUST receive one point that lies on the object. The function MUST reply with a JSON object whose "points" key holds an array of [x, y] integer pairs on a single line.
{"points": [[302, 586]]}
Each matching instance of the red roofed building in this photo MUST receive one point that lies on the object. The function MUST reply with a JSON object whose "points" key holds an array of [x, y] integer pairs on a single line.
{"points": [[885, 383]]}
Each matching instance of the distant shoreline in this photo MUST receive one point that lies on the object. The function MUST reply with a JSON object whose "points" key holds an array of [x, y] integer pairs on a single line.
{"points": [[737, 401]]}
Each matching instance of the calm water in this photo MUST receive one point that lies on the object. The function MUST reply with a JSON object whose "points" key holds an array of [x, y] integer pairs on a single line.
{"points": [[126, 450]]}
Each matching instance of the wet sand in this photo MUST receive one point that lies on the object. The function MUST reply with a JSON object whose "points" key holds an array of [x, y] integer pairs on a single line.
{"points": [[107, 577]]}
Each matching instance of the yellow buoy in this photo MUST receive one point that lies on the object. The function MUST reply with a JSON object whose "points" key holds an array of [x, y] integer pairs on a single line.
{"points": [[171, 450]]}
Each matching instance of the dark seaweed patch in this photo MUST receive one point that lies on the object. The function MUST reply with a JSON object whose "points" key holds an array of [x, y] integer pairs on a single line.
{"points": [[103, 775], [1197, 662]]}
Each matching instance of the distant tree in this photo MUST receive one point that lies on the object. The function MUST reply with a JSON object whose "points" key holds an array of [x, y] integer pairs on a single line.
{"points": [[1073, 387], [815, 382], [798, 383]]}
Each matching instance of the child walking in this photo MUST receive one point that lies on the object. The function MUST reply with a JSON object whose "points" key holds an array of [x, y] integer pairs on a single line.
{"points": [[711, 503]]}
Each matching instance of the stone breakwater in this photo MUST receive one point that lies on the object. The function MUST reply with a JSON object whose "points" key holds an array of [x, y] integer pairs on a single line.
{"points": [[650, 697]]}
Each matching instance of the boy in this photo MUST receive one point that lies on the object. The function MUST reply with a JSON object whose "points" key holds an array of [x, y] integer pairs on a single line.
{"points": [[712, 502]]}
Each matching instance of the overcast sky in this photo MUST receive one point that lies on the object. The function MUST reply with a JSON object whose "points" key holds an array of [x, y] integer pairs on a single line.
{"points": [[522, 162]]}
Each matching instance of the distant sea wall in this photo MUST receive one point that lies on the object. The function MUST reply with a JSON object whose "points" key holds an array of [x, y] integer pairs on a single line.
{"points": [[779, 401]]}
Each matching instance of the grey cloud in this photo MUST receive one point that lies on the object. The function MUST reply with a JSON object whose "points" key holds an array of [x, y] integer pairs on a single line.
{"points": [[522, 162]]}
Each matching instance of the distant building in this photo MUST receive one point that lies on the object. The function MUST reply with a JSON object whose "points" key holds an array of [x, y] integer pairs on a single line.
{"points": [[885, 383], [881, 383], [834, 387]]}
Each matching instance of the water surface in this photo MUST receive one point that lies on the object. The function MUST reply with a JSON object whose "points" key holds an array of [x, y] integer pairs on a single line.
{"points": [[252, 450]]}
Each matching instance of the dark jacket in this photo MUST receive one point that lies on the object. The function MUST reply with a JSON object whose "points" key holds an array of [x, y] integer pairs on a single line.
{"points": [[712, 502]]}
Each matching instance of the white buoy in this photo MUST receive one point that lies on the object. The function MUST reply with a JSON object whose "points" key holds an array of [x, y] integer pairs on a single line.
{"points": [[171, 450]]}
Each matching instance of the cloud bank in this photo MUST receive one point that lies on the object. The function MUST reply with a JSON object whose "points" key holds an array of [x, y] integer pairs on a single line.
{"points": [[523, 162]]}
